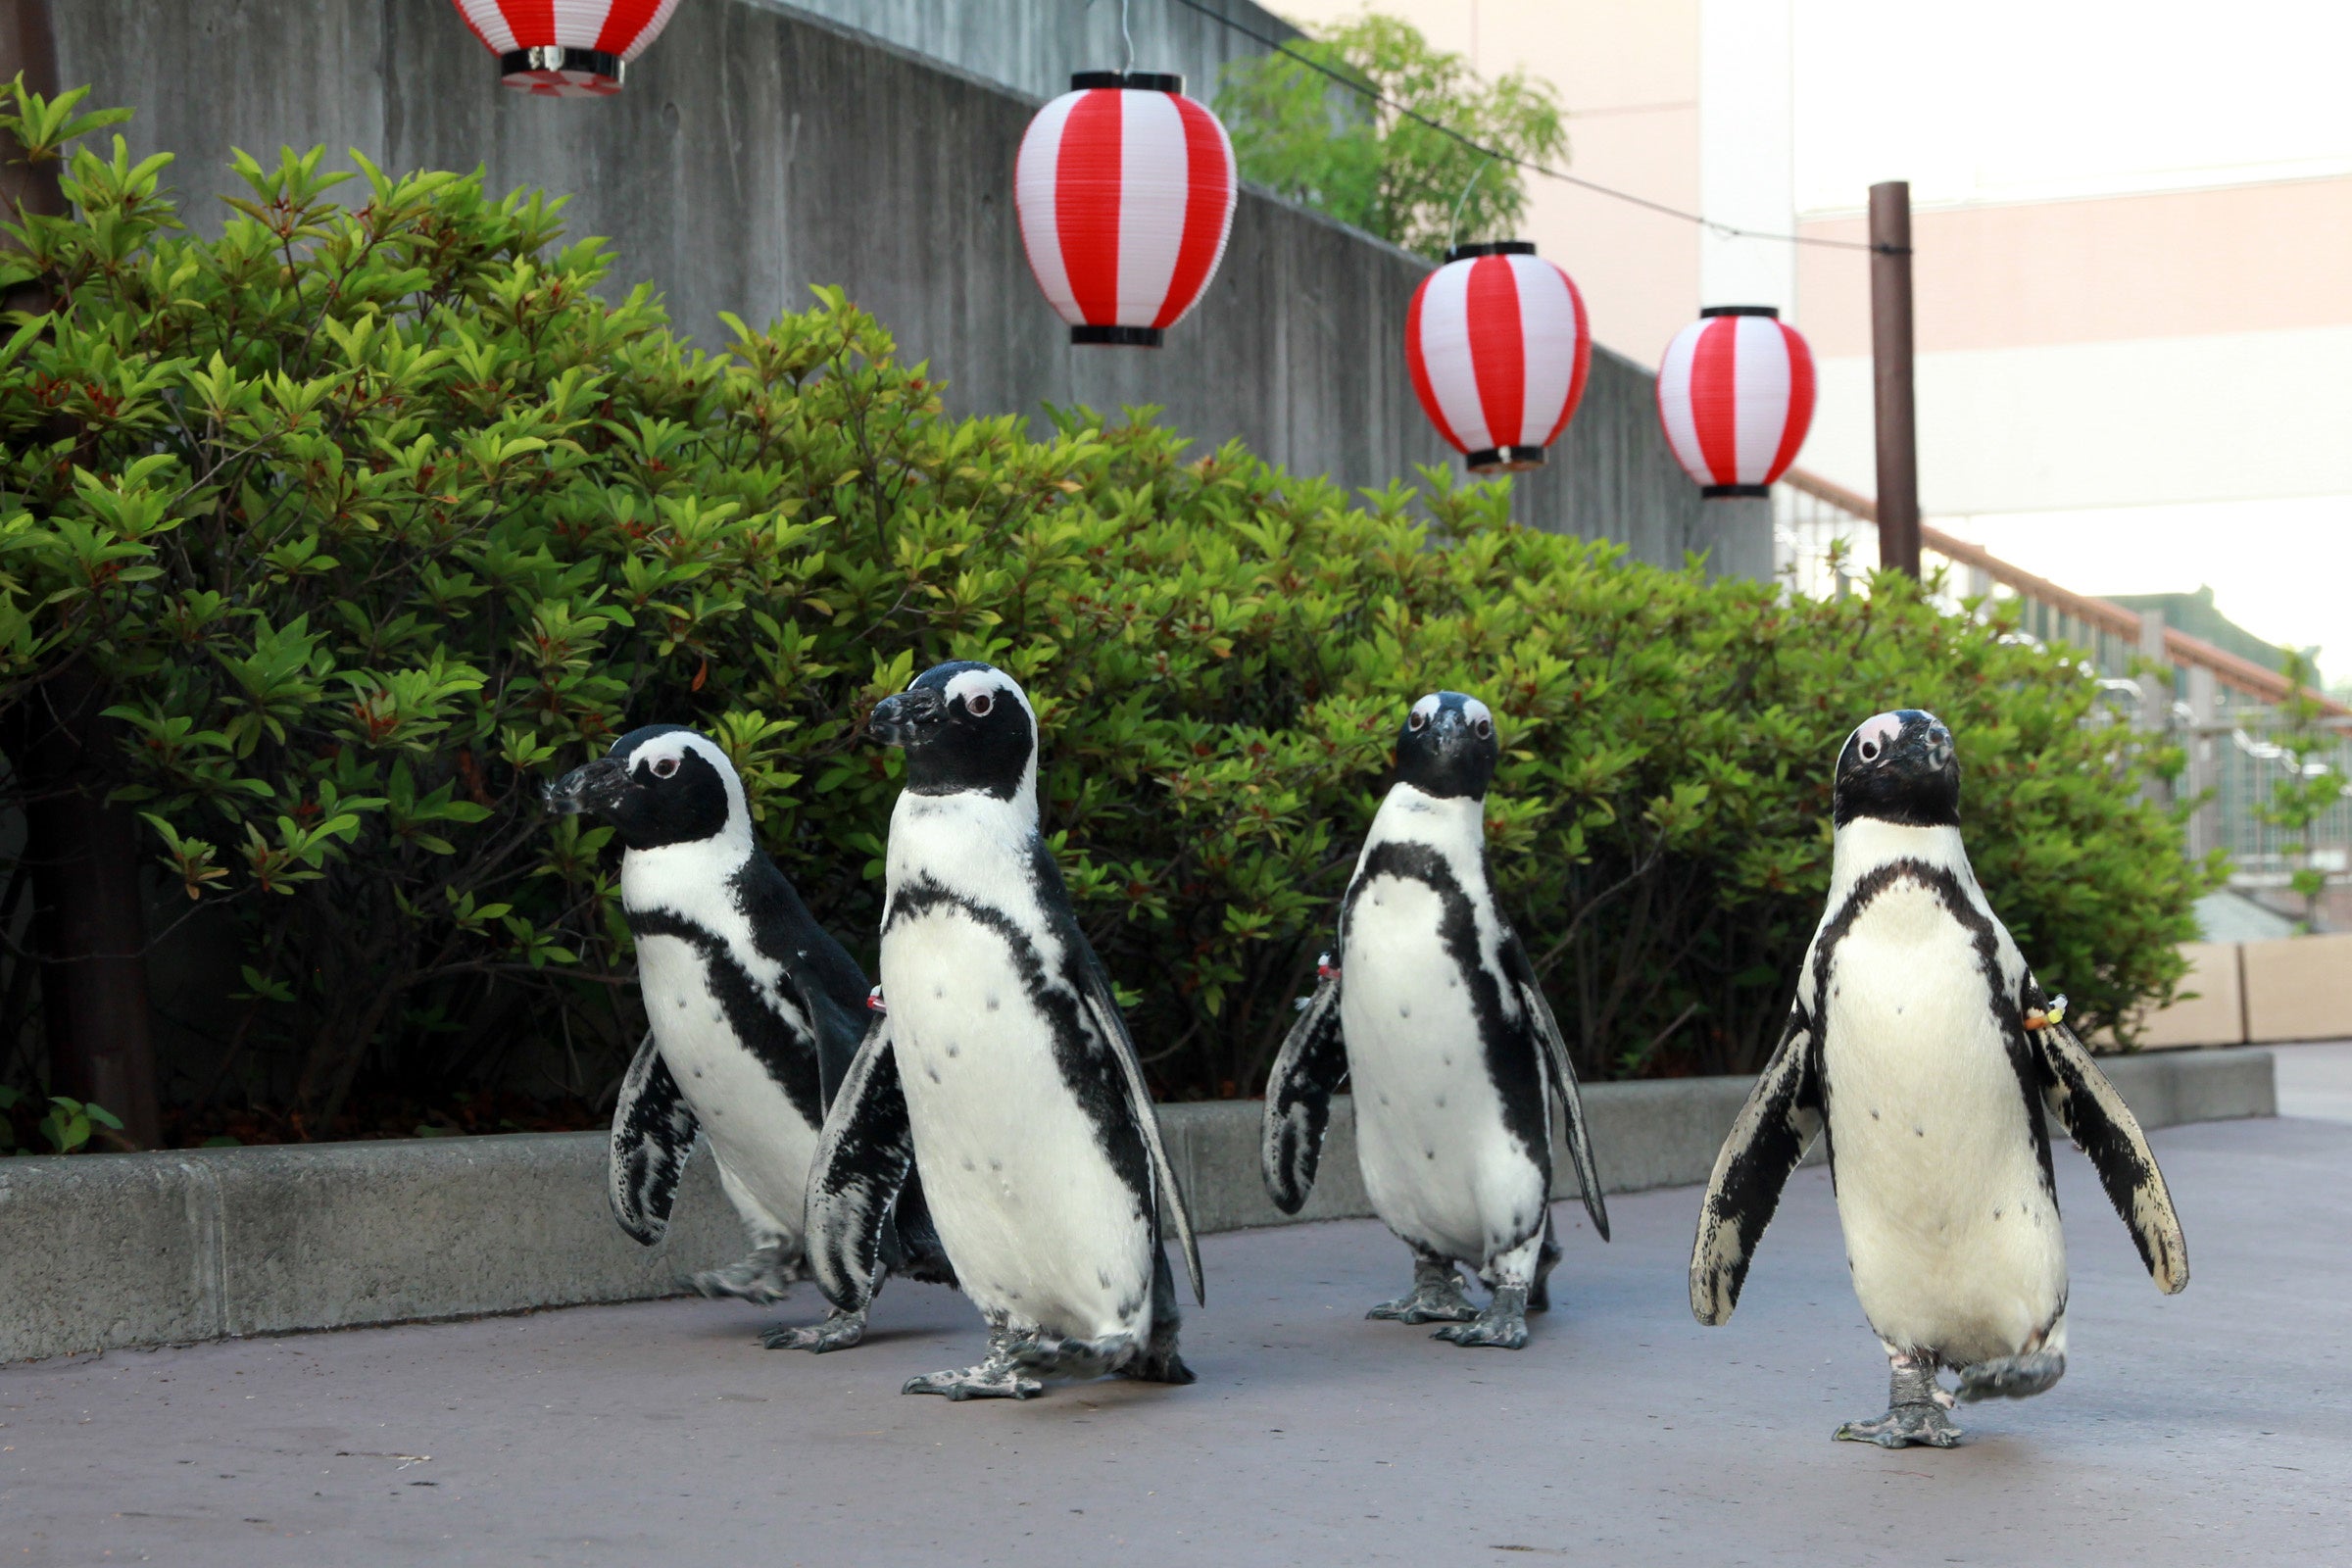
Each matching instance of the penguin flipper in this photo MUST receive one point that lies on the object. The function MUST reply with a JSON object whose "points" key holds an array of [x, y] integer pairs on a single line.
{"points": [[1522, 972], [1781, 1117], [1307, 1072], [1104, 1003], [2087, 1106], [862, 1158], [652, 1137]]}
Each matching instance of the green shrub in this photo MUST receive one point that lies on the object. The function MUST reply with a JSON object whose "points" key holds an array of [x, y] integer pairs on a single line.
{"points": [[373, 516]]}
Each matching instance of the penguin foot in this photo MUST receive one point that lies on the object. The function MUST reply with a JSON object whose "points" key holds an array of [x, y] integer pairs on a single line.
{"points": [[765, 1277], [1904, 1425], [1159, 1364], [1502, 1326], [1051, 1355], [2012, 1377], [992, 1378], [838, 1331], [1436, 1297]]}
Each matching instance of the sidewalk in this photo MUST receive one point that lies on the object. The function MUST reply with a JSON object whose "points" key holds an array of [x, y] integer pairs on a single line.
{"points": [[2214, 1427]]}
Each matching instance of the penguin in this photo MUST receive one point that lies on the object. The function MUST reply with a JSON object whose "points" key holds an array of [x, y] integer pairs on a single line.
{"points": [[754, 1011], [1000, 1065], [1435, 1013], [1926, 1053]]}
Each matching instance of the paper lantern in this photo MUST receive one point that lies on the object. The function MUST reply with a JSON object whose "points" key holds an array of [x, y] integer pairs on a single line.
{"points": [[566, 48], [1499, 346], [1125, 191], [1735, 395]]}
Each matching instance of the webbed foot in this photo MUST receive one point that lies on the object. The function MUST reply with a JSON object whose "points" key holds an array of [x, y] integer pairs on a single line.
{"points": [[992, 1378], [838, 1331], [1160, 1366], [1502, 1326], [2012, 1377], [1905, 1426], [1915, 1407], [1051, 1355], [1435, 1298], [764, 1277]]}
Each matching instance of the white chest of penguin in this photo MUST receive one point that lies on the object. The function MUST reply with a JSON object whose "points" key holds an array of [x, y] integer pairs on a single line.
{"points": [[1040, 1225], [1437, 1161], [1952, 1238], [759, 1136]]}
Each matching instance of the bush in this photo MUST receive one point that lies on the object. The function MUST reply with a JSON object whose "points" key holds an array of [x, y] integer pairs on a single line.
{"points": [[371, 517]]}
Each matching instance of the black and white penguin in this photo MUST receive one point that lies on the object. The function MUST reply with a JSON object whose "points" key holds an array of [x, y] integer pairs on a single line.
{"points": [[753, 1012], [1003, 1064], [1454, 1052], [1925, 1051]]}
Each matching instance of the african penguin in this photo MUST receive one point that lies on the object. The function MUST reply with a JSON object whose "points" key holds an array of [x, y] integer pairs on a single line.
{"points": [[1924, 1049], [1455, 1058], [1001, 1063], [754, 1015]]}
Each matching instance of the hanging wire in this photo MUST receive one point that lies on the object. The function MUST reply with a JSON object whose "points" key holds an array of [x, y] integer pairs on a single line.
{"points": [[1127, 38], [1713, 226], [1453, 229]]}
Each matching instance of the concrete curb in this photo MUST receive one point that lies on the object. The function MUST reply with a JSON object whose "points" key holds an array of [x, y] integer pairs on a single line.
{"points": [[100, 1252]]}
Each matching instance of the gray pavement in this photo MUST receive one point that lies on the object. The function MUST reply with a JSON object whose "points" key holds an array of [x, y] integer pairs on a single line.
{"points": [[2211, 1427]]}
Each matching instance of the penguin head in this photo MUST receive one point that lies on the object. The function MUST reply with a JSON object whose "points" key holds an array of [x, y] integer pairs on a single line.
{"points": [[966, 727], [658, 786], [1447, 746], [1899, 767]]}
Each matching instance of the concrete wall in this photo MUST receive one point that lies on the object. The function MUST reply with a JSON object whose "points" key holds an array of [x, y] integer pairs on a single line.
{"points": [[104, 1251], [1033, 46], [756, 150]]}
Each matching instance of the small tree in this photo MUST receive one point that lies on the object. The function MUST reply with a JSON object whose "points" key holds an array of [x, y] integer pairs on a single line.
{"points": [[1302, 134], [2312, 786]]}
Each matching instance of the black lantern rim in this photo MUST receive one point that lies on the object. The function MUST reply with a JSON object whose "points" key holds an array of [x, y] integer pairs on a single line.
{"points": [[1510, 459], [1725, 492], [1123, 337], [559, 57], [1772, 310], [1492, 247], [1131, 80]]}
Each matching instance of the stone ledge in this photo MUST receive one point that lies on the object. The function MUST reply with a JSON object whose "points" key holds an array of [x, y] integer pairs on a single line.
{"points": [[99, 1251]]}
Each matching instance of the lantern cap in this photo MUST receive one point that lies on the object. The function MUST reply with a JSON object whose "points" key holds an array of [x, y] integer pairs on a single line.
{"points": [[1504, 460], [1772, 310], [1725, 492], [1132, 81], [1492, 247], [1122, 337], [516, 63]]}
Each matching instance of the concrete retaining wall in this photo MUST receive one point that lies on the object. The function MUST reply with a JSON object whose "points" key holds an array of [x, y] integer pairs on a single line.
{"points": [[106, 1251], [2260, 993], [758, 150]]}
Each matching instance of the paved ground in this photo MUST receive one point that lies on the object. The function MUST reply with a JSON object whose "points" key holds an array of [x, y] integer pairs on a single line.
{"points": [[2213, 1427]]}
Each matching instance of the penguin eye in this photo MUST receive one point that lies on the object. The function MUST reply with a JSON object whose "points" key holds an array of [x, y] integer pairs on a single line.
{"points": [[1870, 750], [1485, 729], [1419, 720], [665, 766], [978, 704]]}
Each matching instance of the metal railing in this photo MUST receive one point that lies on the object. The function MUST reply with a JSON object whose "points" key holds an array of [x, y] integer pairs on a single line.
{"points": [[2219, 707]]}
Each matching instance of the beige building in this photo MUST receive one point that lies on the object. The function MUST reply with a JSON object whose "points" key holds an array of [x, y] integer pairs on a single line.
{"points": [[2133, 275]]}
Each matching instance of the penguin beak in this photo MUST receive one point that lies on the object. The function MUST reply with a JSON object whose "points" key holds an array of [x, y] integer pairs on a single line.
{"points": [[1925, 748], [594, 788], [908, 719]]}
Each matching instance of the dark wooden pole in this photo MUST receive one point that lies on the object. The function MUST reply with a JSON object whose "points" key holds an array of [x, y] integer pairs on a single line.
{"points": [[1890, 357], [89, 909]]}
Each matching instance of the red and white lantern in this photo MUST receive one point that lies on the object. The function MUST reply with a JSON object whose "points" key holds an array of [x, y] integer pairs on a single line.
{"points": [[566, 48], [1735, 395], [1499, 346], [1125, 190]]}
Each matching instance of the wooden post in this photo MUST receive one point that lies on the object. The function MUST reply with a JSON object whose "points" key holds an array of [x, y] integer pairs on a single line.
{"points": [[2155, 692], [1890, 357]]}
